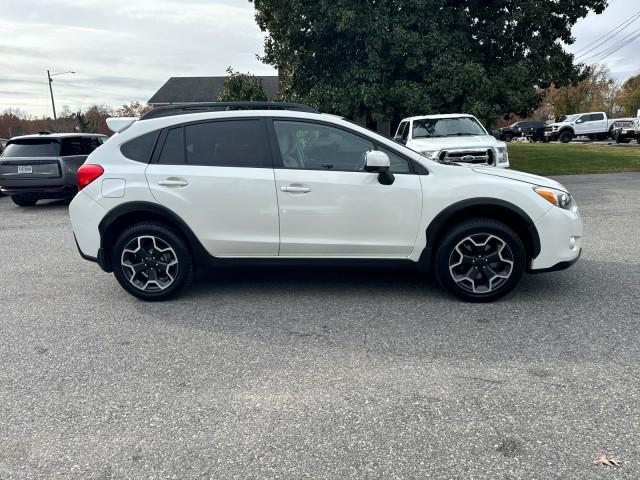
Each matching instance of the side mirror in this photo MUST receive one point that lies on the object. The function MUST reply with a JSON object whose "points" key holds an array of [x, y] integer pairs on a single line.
{"points": [[376, 161]]}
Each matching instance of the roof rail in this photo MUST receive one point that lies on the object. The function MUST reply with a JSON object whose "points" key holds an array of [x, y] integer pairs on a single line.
{"points": [[183, 108], [44, 132]]}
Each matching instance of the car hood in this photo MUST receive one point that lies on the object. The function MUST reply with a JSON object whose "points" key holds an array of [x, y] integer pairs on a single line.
{"points": [[521, 177], [440, 143]]}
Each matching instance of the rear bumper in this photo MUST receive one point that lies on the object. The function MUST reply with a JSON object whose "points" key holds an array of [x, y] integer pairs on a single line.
{"points": [[50, 191], [85, 214]]}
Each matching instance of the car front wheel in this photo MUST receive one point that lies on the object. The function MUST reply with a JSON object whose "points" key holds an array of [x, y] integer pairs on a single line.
{"points": [[480, 260], [151, 261], [565, 137]]}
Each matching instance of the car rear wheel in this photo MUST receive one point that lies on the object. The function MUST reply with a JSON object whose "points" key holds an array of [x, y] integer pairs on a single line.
{"points": [[480, 260], [24, 200], [508, 137], [151, 261]]}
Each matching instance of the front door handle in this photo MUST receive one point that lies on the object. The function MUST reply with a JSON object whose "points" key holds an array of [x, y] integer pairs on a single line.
{"points": [[173, 182], [295, 188]]}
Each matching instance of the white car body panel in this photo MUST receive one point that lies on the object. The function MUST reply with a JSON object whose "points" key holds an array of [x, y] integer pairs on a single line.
{"points": [[347, 214], [233, 211]]}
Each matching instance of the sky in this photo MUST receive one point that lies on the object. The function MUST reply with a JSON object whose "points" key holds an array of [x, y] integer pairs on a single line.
{"points": [[124, 50]]}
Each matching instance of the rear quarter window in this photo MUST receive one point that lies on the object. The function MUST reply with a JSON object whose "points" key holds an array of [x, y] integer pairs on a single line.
{"points": [[141, 148]]}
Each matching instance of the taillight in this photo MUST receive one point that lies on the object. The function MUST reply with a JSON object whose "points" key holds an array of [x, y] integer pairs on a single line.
{"points": [[88, 173]]}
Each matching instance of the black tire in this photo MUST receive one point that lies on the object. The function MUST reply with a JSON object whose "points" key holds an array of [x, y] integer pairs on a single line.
{"points": [[164, 236], [546, 139], [616, 137], [24, 200], [447, 253], [565, 137], [508, 137]]}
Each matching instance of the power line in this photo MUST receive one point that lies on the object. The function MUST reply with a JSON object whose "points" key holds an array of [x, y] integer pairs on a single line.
{"points": [[608, 36], [616, 48]]}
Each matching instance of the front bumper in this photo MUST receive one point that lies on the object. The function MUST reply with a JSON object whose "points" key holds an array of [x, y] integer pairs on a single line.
{"points": [[560, 233]]}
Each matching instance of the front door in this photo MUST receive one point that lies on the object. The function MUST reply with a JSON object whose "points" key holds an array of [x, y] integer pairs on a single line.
{"points": [[330, 207], [218, 177]]}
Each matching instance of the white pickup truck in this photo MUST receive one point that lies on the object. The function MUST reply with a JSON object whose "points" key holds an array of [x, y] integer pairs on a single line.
{"points": [[594, 125], [452, 138]]}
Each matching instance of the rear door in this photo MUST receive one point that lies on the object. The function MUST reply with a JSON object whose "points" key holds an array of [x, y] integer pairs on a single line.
{"points": [[218, 177], [598, 123]]}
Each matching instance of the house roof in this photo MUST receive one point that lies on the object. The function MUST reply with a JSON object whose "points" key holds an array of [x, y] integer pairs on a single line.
{"points": [[201, 89]]}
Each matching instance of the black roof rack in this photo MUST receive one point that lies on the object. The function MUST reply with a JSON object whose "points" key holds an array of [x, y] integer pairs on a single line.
{"points": [[183, 108]]}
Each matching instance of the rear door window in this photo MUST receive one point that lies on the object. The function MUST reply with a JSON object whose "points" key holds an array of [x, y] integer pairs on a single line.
{"points": [[32, 147], [173, 151], [229, 143], [89, 144], [597, 116], [71, 147]]}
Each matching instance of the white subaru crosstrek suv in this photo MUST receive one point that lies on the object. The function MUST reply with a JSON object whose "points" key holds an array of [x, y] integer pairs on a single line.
{"points": [[453, 137], [212, 184]]}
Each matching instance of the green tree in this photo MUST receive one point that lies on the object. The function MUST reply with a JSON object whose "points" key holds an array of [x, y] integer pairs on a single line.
{"points": [[628, 97], [241, 87], [389, 58]]}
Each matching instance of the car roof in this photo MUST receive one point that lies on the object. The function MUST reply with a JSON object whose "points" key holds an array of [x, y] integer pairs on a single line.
{"points": [[57, 135], [443, 115]]}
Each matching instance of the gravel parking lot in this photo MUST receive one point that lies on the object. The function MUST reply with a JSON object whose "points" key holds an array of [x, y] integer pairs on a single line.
{"points": [[321, 373]]}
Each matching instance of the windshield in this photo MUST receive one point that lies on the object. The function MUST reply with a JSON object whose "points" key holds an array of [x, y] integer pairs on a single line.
{"points": [[34, 147], [570, 118], [446, 127]]}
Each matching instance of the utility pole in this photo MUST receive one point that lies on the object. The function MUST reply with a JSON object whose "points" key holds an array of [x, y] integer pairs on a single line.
{"points": [[53, 104]]}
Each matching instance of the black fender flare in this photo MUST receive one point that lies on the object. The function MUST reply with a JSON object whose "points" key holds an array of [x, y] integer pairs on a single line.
{"points": [[152, 211], [483, 207]]}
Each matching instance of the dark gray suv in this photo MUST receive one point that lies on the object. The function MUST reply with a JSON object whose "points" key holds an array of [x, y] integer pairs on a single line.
{"points": [[43, 166]]}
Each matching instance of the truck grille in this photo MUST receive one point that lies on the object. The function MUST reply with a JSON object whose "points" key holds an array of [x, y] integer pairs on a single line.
{"points": [[485, 157], [548, 129]]}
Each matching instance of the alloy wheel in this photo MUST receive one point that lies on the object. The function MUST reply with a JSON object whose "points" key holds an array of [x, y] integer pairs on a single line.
{"points": [[481, 263], [149, 263]]}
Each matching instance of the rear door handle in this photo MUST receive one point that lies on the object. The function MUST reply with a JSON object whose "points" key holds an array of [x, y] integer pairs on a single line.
{"points": [[173, 182], [295, 189]]}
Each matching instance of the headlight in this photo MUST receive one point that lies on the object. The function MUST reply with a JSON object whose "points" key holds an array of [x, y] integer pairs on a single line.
{"points": [[428, 153], [503, 155], [556, 197]]}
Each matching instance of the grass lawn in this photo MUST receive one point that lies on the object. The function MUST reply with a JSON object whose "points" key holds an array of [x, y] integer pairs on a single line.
{"points": [[572, 158]]}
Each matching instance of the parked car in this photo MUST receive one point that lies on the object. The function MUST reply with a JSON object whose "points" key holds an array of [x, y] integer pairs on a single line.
{"points": [[43, 166], [453, 137], [532, 129], [595, 126], [283, 183], [623, 131]]}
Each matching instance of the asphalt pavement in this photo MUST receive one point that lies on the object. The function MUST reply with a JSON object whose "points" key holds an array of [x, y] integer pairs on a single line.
{"points": [[317, 372]]}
